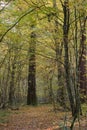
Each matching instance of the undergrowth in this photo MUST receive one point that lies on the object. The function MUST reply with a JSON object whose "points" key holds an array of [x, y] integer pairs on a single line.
{"points": [[4, 114]]}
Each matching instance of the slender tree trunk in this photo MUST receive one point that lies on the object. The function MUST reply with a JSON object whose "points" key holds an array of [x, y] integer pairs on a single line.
{"points": [[31, 96], [67, 66], [58, 46], [76, 87], [12, 84], [7, 82], [58, 50], [77, 94], [82, 60], [52, 94]]}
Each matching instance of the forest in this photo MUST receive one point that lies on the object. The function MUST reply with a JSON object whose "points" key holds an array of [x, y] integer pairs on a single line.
{"points": [[43, 64]]}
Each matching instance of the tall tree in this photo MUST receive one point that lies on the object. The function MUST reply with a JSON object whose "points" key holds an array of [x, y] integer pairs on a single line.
{"points": [[12, 80], [58, 50], [66, 50], [31, 96]]}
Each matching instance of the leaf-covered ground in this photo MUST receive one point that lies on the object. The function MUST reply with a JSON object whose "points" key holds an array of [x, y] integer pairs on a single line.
{"points": [[36, 118]]}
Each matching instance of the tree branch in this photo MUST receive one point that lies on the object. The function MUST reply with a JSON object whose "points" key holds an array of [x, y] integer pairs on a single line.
{"points": [[75, 19], [61, 3], [19, 19], [5, 6]]}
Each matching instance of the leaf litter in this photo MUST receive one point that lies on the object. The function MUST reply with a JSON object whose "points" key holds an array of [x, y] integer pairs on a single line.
{"points": [[36, 118]]}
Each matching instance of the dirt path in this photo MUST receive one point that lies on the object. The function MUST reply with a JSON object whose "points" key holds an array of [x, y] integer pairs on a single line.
{"points": [[34, 118]]}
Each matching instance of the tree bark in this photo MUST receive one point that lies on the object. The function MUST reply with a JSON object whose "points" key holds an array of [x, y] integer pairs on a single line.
{"points": [[58, 50], [31, 96], [67, 65], [82, 60], [12, 83]]}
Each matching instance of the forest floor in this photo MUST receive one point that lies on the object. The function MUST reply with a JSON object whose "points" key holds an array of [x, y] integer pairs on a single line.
{"points": [[36, 118]]}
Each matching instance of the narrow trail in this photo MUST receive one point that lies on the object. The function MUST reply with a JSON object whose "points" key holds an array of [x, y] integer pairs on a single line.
{"points": [[34, 118]]}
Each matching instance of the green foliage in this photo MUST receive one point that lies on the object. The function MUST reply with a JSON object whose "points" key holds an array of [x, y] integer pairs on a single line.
{"points": [[84, 108], [4, 114], [16, 43]]}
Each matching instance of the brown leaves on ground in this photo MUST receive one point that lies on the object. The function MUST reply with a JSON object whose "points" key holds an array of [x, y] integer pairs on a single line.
{"points": [[34, 118]]}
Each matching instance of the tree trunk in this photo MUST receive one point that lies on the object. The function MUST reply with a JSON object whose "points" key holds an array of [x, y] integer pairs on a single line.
{"points": [[12, 83], [31, 96], [77, 95], [67, 66], [58, 50], [82, 60]]}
